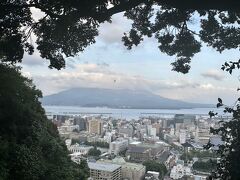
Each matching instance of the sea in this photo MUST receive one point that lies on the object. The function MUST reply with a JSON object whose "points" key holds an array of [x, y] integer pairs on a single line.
{"points": [[126, 113]]}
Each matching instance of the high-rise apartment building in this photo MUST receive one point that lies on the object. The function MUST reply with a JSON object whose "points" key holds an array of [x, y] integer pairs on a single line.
{"points": [[81, 122], [95, 126]]}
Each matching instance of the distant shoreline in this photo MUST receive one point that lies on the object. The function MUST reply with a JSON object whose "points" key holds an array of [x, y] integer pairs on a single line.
{"points": [[136, 108], [124, 113]]}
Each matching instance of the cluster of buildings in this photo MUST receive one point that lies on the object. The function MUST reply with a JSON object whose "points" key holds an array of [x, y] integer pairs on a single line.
{"points": [[125, 145], [116, 168]]}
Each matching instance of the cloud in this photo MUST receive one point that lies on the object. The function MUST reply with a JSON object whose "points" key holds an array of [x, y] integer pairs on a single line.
{"points": [[33, 60], [27, 74], [103, 64], [103, 76], [113, 32], [207, 86], [213, 74]]}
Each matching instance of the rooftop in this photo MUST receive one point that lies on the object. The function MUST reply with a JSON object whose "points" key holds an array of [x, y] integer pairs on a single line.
{"points": [[153, 172], [103, 166], [137, 149], [135, 142], [121, 161]]}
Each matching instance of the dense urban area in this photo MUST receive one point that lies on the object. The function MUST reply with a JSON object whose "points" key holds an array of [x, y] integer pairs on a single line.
{"points": [[119, 55], [151, 147]]}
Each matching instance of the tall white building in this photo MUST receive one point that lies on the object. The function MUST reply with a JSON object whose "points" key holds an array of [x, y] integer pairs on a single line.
{"points": [[172, 131], [196, 134], [151, 131], [107, 137], [182, 136]]}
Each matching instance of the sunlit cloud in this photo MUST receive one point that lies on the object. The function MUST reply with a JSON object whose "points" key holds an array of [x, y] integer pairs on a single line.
{"points": [[102, 76], [214, 74]]}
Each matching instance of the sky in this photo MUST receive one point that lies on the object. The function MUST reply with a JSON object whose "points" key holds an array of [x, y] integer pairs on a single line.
{"points": [[108, 64]]}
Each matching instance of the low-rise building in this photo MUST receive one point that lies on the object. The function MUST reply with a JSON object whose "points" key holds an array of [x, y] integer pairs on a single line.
{"points": [[81, 149], [118, 146], [139, 154], [130, 171], [126, 131], [106, 171], [178, 171]]}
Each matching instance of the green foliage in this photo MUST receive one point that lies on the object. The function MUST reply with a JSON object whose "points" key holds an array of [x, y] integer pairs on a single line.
{"points": [[123, 153], [206, 154], [98, 144], [68, 27], [30, 147], [81, 171], [229, 149], [152, 165], [170, 26], [94, 152], [74, 141], [207, 166]]}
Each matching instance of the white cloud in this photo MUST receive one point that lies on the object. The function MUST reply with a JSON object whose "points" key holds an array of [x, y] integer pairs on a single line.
{"points": [[101, 76], [202, 93], [27, 74], [113, 32], [207, 86], [33, 60], [214, 74]]}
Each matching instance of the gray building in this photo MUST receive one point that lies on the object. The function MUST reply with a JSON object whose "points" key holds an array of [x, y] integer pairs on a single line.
{"points": [[128, 130], [184, 118], [139, 154], [104, 171], [81, 122], [130, 171]]}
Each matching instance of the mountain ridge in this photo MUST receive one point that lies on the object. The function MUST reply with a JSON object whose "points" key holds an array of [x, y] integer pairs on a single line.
{"points": [[116, 98]]}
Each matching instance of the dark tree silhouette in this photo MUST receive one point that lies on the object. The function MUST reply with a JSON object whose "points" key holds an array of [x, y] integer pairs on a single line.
{"points": [[94, 152], [229, 150], [68, 27], [30, 146]]}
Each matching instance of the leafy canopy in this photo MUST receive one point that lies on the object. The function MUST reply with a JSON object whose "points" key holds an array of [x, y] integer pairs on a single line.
{"points": [[229, 151], [207, 166], [94, 152], [68, 27], [152, 165], [30, 146]]}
